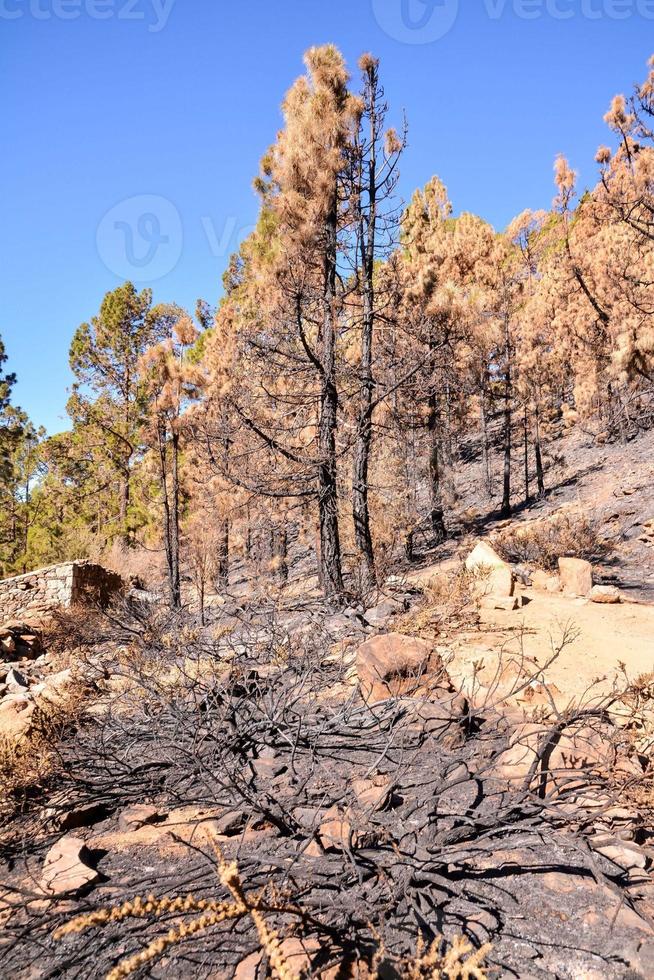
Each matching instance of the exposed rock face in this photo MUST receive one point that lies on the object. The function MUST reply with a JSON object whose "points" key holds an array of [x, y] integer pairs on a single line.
{"points": [[392, 665], [495, 575], [576, 576], [65, 869], [37, 594]]}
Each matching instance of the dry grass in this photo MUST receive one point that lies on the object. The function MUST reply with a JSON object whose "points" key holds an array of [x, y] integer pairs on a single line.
{"points": [[569, 534], [450, 600], [136, 564], [438, 961], [29, 761]]}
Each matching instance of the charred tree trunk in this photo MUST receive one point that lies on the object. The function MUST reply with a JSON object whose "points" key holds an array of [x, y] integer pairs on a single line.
{"points": [[485, 449], [330, 545], [280, 553], [361, 466], [435, 490], [175, 590], [409, 546], [525, 425], [170, 503], [508, 393], [223, 552], [223, 531], [125, 494], [540, 475]]}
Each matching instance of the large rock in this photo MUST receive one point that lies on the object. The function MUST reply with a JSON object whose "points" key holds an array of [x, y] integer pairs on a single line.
{"points": [[65, 869], [624, 854], [576, 576], [15, 716], [393, 665], [494, 574]]}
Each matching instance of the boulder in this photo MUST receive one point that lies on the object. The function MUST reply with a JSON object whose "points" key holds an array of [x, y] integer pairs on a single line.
{"points": [[576, 576], [495, 575], [606, 595], [15, 715], [392, 665], [65, 868], [484, 556], [57, 687]]}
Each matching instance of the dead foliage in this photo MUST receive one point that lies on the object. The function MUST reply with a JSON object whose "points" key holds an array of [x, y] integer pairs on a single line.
{"points": [[568, 534]]}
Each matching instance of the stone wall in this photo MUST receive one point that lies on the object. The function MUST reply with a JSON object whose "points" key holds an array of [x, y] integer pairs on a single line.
{"points": [[36, 594]]}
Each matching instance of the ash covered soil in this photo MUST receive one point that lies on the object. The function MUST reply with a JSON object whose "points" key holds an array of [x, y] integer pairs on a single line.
{"points": [[424, 768]]}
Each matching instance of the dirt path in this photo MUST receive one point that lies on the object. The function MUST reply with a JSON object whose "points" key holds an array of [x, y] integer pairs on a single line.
{"points": [[605, 635]]}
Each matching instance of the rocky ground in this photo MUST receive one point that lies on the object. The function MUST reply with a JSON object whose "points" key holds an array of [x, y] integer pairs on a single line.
{"points": [[467, 755]]}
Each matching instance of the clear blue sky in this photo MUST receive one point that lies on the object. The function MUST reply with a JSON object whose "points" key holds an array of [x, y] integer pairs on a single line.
{"points": [[160, 110]]}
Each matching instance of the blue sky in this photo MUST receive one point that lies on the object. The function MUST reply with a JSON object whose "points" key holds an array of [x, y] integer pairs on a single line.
{"points": [[133, 129]]}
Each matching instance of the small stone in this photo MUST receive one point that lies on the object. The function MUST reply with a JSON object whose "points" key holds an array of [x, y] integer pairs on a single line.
{"points": [[606, 595], [65, 869], [82, 816], [380, 615], [336, 833], [16, 682], [372, 794], [622, 853], [139, 815]]}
